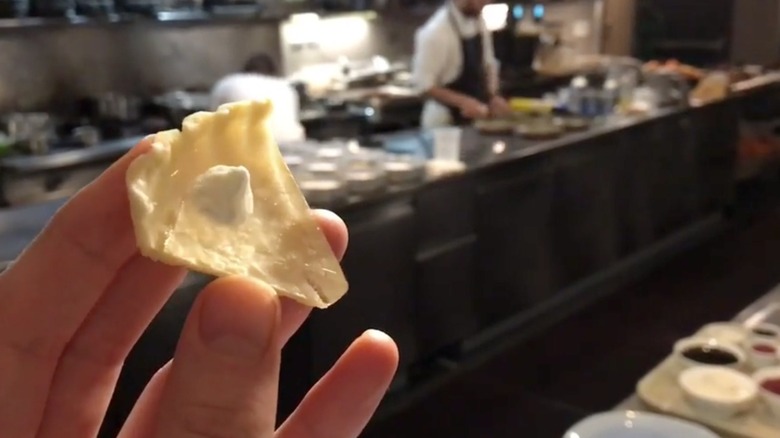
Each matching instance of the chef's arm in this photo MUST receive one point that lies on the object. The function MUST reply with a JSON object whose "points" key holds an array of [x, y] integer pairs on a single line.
{"points": [[451, 98]]}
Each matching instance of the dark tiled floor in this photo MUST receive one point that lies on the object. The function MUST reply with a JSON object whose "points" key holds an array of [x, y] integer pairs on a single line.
{"points": [[592, 361]]}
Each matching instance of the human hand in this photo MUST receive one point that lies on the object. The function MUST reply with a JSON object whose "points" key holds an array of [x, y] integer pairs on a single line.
{"points": [[473, 109], [79, 297], [499, 107]]}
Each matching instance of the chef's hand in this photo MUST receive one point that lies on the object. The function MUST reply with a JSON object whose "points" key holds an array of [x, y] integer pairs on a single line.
{"points": [[499, 107], [76, 301], [473, 109]]}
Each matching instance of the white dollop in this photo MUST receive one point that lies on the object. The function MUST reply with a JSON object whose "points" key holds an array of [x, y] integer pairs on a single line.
{"points": [[718, 384], [224, 195]]}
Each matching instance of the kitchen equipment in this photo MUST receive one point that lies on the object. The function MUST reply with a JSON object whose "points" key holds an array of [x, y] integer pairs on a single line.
{"points": [[179, 104], [635, 424], [364, 172], [323, 170], [22, 126], [323, 192], [30, 132], [54, 8], [672, 89], [119, 107], [87, 135], [95, 8], [14, 8]]}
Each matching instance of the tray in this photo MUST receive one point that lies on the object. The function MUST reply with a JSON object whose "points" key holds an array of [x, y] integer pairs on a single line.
{"points": [[659, 390]]}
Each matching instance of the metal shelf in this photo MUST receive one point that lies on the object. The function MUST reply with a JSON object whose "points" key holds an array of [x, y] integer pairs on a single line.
{"points": [[162, 17]]}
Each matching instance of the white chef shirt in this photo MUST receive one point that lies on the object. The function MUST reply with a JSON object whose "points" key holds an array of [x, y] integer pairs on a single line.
{"points": [[438, 57], [284, 122]]}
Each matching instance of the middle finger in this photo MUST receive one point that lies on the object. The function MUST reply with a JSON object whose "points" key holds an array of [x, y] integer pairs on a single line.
{"points": [[88, 370]]}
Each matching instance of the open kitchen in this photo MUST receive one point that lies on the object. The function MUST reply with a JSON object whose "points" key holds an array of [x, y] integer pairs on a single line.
{"points": [[635, 135]]}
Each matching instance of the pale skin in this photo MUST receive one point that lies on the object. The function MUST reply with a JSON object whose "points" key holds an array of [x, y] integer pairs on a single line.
{"points": [[75, 302], [470, 107]]}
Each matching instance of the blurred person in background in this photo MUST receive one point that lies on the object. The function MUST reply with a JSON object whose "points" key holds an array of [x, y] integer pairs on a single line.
{"points": [[259, 80], [454, 65]]}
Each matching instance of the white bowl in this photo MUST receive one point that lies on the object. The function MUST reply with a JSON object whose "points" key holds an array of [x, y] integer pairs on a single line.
{"points": [[762, 359], [635, 424], [718, 392], [771, 399], [682, 345]]}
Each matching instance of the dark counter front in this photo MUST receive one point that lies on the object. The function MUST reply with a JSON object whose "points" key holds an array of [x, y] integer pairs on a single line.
{"points": [[461, 263]]}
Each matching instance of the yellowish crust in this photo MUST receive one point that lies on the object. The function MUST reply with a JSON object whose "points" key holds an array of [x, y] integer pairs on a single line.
{"points": [[281, 245]]}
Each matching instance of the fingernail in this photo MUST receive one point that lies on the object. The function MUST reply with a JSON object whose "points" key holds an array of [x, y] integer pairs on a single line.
{"points": [[377, 335], [238, 320]]}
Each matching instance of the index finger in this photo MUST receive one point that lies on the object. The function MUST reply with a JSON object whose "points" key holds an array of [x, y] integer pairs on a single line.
{"points": [[61, 275]]}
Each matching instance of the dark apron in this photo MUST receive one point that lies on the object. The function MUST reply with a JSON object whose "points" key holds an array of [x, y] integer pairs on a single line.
{"points": [[472, 80]]}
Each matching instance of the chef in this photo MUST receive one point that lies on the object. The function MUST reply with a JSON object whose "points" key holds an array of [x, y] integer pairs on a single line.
{"points": [[455, 67], [259, 81]]}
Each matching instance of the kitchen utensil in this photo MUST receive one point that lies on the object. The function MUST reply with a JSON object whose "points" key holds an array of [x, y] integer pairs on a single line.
{"points": [[87, 135]]}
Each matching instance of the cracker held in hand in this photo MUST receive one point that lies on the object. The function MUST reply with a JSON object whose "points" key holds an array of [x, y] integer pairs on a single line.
{"points": [[218, 198]]}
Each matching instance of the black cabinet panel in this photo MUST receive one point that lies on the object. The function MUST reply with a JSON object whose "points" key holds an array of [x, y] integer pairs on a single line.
{"points": [[514, 260], [445, 212], [583, 218], [379, 265], [444, 293], [717, 137], [634, 223], [673, 194]]}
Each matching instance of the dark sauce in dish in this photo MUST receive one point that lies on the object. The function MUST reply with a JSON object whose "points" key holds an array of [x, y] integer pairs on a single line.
{"points": [[764, 332], [772, 385], [710, 355]]}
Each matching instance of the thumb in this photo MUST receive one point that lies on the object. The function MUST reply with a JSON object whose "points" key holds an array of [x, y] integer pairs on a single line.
{"points": [[225, 374]]}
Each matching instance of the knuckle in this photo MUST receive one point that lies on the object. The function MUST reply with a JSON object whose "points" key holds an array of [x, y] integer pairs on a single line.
{"points": [[42, 348], [209, 420]]}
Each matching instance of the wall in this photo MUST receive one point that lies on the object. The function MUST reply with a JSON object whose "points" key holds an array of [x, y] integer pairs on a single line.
{"points": [[44, 65], [577, 20], [355, 37], [756, 34], [619, 27]]}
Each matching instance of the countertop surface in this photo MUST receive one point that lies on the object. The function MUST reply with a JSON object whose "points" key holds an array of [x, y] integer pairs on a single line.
{"points": [[18, 226]]}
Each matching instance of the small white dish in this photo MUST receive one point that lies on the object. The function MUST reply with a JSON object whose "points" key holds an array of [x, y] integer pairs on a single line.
{"points": [[718, 392], [683, 353], [762, 353], [771, 399], [765, 330], [635, 424]]}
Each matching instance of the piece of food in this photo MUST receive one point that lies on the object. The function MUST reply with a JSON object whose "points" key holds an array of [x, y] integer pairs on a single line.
{"points": [[218, 198]]}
